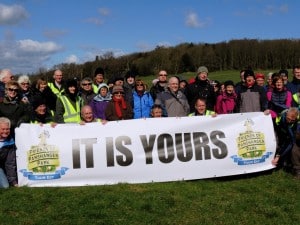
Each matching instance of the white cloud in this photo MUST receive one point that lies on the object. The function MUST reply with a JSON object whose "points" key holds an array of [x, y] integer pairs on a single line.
{"points": [[104, 11], [193, 21], [12, 15], [72, 59], [35, 46], [26, 56]]}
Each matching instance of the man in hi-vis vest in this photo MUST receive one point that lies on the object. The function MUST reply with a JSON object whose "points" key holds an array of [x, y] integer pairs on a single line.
{"points": [[57, 85]]}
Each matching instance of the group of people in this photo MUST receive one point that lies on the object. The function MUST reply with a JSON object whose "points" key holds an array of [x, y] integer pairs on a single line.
{"points": [[92, 100]]}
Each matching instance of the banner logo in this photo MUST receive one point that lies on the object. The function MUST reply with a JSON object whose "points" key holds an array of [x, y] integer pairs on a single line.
{"points": [[43, 161], [251, 146]]}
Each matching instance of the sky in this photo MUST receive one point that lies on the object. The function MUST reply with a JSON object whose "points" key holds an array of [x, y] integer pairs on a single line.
{"points": [[39, 34]]}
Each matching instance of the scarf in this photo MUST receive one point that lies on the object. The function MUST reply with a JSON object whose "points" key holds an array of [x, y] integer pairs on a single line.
{"points": [[118, 103]]}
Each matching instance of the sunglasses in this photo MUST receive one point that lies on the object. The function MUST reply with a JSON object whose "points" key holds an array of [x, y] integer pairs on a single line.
{"points": [[13, 89], [139, 85], [24, 83], [163, 75], [86, 84]]}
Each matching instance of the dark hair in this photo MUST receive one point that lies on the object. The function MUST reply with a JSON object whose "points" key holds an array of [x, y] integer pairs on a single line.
{"points": [[156, 106]]}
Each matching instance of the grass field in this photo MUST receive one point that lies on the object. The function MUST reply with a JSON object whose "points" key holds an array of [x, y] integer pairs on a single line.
{"points": [[270, 197]]}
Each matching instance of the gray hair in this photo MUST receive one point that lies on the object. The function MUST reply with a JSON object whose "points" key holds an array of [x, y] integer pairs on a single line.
{"points": [[4, 73], [5, 120], [24, 79]]}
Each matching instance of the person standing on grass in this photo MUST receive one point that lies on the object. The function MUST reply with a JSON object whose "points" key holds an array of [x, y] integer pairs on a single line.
{"points": [[294, 85], [57, 86], [201, 110], [100, 101], [98, 79], [226, 101], [160, 85], [86, 91], [201, 88], [8, 164], [142, 100], [173, 100]]}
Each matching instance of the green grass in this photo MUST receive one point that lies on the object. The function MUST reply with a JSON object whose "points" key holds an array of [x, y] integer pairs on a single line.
{"points": [[261, 198]]}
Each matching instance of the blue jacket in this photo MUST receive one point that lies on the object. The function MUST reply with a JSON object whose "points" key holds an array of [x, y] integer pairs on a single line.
{"points": [[142, 105]]}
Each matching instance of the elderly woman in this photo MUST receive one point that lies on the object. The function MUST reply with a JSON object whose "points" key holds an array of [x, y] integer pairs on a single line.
{"points": [[12, 108], [25, 91], [118, 108]]}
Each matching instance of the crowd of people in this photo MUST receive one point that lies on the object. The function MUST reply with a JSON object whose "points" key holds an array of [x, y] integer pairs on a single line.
{"points": [[128, 97]]}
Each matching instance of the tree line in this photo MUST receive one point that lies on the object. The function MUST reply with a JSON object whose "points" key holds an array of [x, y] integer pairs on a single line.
{"points": [[187, 57]]}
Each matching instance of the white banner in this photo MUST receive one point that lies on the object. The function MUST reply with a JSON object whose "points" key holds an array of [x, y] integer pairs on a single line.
{"points": [[144, 150]]}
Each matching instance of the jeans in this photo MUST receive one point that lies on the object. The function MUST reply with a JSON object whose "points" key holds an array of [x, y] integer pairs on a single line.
{"points": [[3, 180]]}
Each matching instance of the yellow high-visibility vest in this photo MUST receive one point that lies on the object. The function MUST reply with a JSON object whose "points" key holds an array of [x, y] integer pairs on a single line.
{"points": [[71, 115], [55, 90]]}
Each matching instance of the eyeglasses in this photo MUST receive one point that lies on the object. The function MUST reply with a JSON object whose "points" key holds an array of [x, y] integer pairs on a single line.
{"points": [[139, 85], [13, 89], [86, 84], [24, 83], [163, 75]]}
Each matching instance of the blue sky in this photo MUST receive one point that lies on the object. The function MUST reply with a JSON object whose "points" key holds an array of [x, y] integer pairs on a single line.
{"points": [[37, 34]]}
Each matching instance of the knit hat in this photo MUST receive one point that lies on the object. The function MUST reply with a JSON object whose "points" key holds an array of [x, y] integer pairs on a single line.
{"points": [[102, 85], [248, 73], [37, 101], [117, 88], [259, 75], [99, 70], [228, 83], [202, 69], [118, 78]]}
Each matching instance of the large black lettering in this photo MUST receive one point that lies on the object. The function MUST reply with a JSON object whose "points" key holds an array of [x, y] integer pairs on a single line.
{"points": [[148, 147], [89, 156], [222, 151], [201, 141], [187, 155], [110, 152], [165, 141], [126, 158]]}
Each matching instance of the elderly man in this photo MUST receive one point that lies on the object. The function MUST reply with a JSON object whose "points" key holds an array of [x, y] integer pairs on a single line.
{"points": [[5, 76], [87, 116], [173, 100], [57, 86]]}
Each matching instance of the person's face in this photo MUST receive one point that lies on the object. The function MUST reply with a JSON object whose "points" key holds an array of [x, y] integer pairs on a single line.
{"points": [[229, 89], [296, 73], [130, 80], [4, 130], [202, 76], [86, 85], [12, 91], [41, 109], [87, 114], [260, 81], [103, 91], [269, 80], [72, 89], [250, 80], [182, 85], [285, 79], [173, 84], [156, 112], [99, 78], [200, 106], [279, 84], [118, 95], [139, 87], [42, 86], [58, 76], [24, 86], [162, 76], [291, 117]]}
